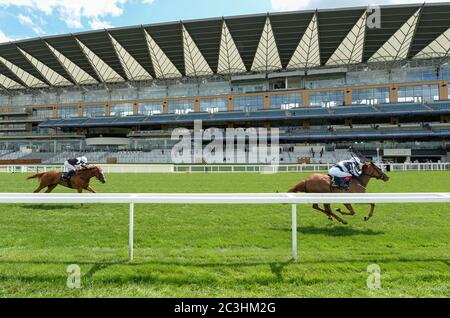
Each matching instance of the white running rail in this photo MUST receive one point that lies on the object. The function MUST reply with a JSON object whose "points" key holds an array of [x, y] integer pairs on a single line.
{"points": [[222, 198], [170, 168]]}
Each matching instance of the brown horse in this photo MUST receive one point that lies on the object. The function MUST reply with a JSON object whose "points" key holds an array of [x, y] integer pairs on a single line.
{"points": [[319, 183], [80, 181]]}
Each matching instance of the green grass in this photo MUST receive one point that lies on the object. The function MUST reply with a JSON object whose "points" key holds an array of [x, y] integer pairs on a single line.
{"points": [[220, 250]]}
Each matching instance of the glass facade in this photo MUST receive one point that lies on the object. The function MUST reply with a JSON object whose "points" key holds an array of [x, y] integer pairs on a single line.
{"points": [[96, 96], [416, 74], [68, 112], [249, 103], [326, 99], [370, 96], [151, 108], [43, 113], [181, 106], [286, 101], [418, 93], [121, 110], [94, 111], [214, 105]]}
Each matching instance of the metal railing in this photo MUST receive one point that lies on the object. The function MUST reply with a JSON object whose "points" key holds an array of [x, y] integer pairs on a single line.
{"points": [[222, 198]]}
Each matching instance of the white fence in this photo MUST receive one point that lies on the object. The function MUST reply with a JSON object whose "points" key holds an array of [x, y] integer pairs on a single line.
{"points": [[233, 198], [170, 168]]}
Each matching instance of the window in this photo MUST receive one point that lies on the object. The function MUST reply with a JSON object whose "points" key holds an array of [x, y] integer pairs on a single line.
{"points": [[213, 105], [249, 103], [326, 99], [418, 93], [43, 113], [121, 110], [286, 101], [94, 111], [151, 108], [181, 106], [68, 112], [370, 96]]}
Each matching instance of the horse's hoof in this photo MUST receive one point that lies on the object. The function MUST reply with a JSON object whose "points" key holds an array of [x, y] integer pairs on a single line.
{"points": [[344, 222], [366, 218]]}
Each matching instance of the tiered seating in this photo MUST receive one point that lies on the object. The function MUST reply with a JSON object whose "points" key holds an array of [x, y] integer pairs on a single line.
{"points": [[341, 110], [402, 107]]}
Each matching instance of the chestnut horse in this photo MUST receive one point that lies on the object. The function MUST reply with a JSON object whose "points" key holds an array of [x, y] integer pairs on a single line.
{"points": [[80, 181], [319, 183]]}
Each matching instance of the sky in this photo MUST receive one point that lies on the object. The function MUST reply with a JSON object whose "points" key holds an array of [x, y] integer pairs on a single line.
{"points": [[22, 19]]}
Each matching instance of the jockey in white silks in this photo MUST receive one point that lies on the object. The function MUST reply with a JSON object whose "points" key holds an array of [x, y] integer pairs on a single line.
{"points": [[342, 173], [72, 165]]}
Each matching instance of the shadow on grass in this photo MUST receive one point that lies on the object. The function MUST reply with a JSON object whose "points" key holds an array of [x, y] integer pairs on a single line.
{"points": [[337, 231], [51, 207]]}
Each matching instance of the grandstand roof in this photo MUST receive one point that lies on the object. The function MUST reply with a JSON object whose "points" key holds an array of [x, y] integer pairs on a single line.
{"points": [[229, 45]]}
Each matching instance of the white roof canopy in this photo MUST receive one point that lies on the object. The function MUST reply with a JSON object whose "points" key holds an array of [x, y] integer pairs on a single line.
{"points": [[132, 68], [163, 66], [103, 70], [230, 61], [76, 72], [398, 45], [24, 76], [267, 57], [8, 83], [194, 60], [307, 54], [350, 51], [50, 75], [439, 48]]}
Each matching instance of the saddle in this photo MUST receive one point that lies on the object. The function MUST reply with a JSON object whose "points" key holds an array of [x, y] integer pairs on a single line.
{"points": [[67, 176], [340, 183]]}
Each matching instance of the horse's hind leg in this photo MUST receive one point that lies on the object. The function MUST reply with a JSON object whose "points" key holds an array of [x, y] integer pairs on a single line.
{"points": [[317, 207], [372, 209], [50, 188], [39, 188], [349, 208], [330, 212]]}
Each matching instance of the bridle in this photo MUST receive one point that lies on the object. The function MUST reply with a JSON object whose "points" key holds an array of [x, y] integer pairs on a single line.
{"points": [[377, 170]]}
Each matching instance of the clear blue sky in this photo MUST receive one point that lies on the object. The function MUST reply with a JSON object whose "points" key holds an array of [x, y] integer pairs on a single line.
{"points": [[21, 19]]}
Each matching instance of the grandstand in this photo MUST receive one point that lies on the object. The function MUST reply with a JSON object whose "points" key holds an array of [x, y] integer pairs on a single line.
{"points": [[119, 93]]}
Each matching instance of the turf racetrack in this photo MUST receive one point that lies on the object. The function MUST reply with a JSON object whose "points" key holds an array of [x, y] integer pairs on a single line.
{"points": [[224, 251]]}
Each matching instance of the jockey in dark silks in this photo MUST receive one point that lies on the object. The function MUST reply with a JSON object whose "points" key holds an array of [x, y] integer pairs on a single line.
{"points": [[342, 173], [72, 165]]}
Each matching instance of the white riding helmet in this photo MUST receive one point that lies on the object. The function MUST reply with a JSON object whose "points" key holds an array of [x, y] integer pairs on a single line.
{"points": [[83, 159]]}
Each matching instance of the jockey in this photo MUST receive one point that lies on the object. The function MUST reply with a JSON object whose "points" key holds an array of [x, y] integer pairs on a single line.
{"points": [[72, 165], [342, 173]]}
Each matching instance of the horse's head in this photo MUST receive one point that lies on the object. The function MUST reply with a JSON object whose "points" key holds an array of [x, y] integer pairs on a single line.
{"points": [[98, 173], [372, 170]]}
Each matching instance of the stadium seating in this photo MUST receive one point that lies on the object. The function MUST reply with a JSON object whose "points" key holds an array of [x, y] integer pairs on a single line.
{"points": [[402, 107]]}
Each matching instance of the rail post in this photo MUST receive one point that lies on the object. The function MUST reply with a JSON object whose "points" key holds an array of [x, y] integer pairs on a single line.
{"points": [[131, 232], [294, 232]]}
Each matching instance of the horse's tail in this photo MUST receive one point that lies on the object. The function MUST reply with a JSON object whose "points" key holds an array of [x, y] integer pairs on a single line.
{"points": [[34, 176], [301, 187]]}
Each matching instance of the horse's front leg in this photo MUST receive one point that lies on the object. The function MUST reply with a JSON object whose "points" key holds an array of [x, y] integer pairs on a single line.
{"points": [[372, 209], [90, 189], [330, 212], [349, 207]]}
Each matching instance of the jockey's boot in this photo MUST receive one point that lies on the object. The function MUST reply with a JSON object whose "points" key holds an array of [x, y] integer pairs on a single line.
{"points": [[68, 175]]}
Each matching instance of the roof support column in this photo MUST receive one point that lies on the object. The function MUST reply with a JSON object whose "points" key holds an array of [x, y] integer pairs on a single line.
{"points": [[348, 97], [443, 91], [230, 103], [305, 99], [393, 94]]}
